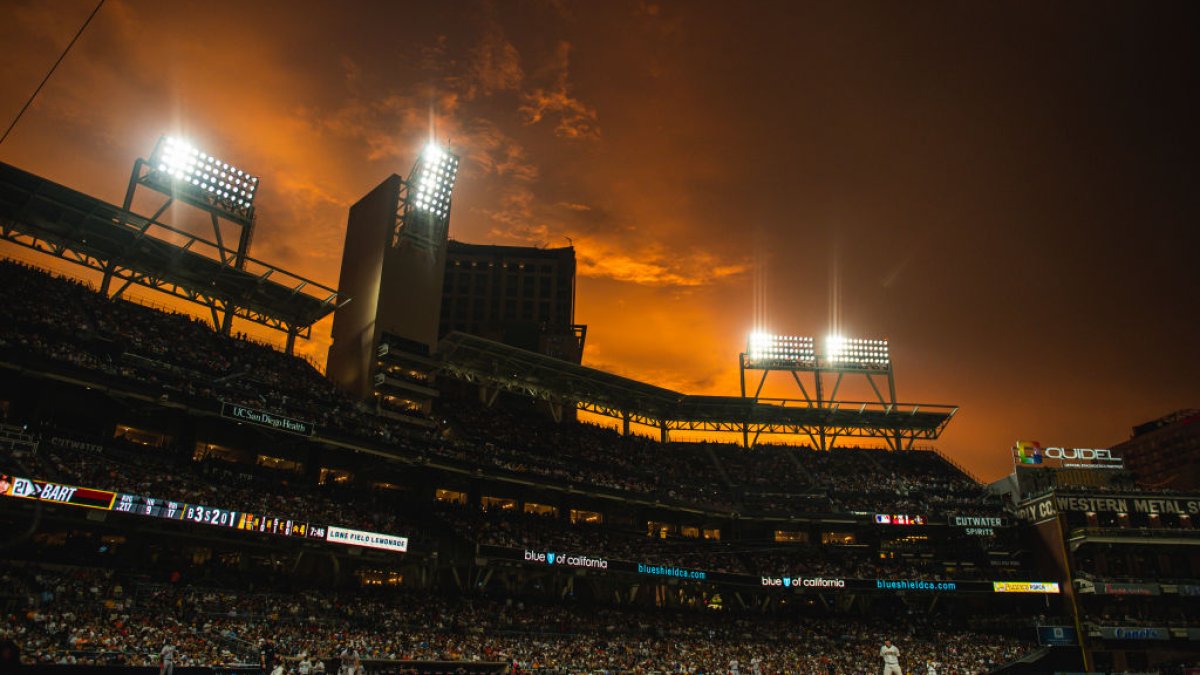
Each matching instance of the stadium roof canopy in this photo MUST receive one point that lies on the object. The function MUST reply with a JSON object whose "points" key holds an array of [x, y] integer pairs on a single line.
{"points": [[51, 218], [504, 368]]}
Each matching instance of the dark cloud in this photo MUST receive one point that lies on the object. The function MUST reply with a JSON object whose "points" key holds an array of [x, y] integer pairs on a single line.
{"points": [[572, 118]]}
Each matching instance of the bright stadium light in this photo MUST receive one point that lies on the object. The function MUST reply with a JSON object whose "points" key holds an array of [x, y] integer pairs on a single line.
{"points": [[858, 352], [834, 344], [764, 349], [432, 181], [182, 166]]}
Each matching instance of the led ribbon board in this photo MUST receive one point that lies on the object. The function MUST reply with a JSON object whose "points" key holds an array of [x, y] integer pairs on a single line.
{"points": [[152, 507], [599, 564]]}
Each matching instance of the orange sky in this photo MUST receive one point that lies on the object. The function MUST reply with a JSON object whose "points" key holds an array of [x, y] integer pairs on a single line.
{"points": [[1007, 194]]}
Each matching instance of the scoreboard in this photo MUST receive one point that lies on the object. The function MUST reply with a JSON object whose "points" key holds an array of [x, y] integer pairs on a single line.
{"points": [[153, 507], [149, 506], [25, 488]]}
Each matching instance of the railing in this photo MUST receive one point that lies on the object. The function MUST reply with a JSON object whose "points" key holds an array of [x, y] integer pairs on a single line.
{"points": [[956, 465], [1160, 533]]}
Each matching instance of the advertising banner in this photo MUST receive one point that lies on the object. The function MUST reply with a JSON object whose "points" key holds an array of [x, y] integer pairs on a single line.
{"points": [[1032, 454], [1131, 633], [386, 542], [265, 419], [153, 507], [1037, 510], [1057, 636], [1026, 587], [1113, 588], [794, 583]]}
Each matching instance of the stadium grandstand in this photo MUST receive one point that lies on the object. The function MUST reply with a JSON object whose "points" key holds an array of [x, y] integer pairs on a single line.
{"points": [[172, 492]]}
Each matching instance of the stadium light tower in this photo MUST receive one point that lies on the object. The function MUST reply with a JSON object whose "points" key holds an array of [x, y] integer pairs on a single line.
{"points": [[394, 265], [424, 213], [797, 356], [183, 172], [180, 169]]}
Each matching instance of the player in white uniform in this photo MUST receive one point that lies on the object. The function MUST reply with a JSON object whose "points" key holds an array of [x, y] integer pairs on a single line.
{"points": [[891, 658], [733, 667], [351, 662], [166, 659], [755, 666]]}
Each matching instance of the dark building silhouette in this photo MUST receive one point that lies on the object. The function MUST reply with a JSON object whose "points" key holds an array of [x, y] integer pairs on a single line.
{"points": [[410, 286], [1165, 453], [521, 296]]}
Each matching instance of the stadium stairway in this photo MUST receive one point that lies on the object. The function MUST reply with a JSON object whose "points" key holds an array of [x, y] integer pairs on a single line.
{"points": [[790, 452], [14, 439], [716, 462]]}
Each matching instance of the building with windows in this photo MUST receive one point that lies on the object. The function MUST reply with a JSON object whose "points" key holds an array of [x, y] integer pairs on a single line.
{"points": [[1165, 453], [518, 295], [411, 286]]}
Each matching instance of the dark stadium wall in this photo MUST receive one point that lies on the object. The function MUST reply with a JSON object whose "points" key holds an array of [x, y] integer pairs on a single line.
{"points": [[410, 295], [355, 330]]}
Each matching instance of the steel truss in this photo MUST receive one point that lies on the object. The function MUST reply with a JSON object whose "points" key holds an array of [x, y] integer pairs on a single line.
{"points": [[816, 373], [495, 367], [421, 228], [129, 249], [144, 175]]}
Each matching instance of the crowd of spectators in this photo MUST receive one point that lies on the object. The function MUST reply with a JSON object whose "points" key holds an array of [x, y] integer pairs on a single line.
{"points": [[169, 474], [75, 615], [503, 527], [1133, 562], [1161, 611], [181, 357], [65, 320]]}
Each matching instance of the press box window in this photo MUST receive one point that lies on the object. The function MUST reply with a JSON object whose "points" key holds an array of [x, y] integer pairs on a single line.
{"points": [[659, 530], [450, 496], [214, 451], [144, 437], [335, 476], [589, 517], [791, 537], [498, 503], [838, 538], [278, 463], [540, 509]]}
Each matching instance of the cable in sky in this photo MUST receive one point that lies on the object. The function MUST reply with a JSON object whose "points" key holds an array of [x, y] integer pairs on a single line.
{"points": [[52, 69]]}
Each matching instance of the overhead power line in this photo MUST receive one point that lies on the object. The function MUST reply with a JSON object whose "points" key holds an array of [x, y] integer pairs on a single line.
{"points": [[52, 69]]}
